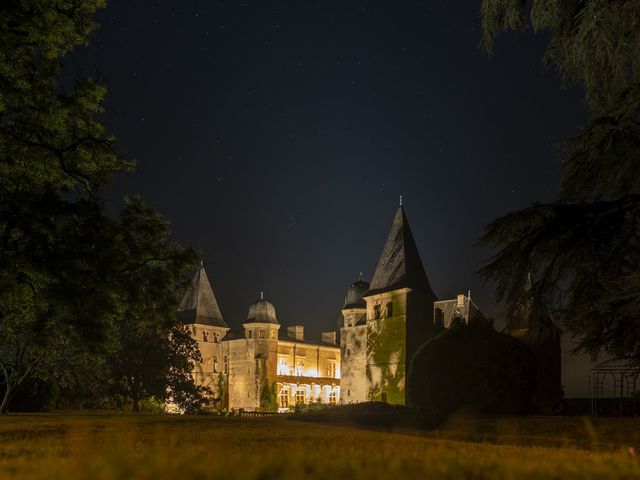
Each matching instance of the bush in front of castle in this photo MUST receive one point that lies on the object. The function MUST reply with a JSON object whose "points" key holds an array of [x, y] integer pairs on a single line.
{"points": [[472, 366]]}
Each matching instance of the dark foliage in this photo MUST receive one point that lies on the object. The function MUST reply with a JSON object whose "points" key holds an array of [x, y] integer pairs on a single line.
{"points": [[87, 303], [472, 366], [268, 397], [583, 249]]}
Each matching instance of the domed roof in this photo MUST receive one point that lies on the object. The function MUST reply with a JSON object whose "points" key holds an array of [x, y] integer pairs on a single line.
{"points": [[262, 311], [354, 294]]}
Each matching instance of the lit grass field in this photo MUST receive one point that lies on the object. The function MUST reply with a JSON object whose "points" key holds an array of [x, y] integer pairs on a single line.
{"points": [[63, 446]]}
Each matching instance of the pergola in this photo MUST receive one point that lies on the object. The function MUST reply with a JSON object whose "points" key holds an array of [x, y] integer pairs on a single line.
{"points": [[625, 373]]}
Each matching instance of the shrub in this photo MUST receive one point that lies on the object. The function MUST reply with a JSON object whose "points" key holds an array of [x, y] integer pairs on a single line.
{"points": [[472, 366]]}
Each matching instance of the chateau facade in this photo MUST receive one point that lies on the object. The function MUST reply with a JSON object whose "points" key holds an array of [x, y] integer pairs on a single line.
{"points": [[381, 327], [237, 365]]}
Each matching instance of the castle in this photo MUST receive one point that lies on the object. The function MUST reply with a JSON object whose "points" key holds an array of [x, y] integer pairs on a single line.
{"points": [[237, 365], [381, 327]]}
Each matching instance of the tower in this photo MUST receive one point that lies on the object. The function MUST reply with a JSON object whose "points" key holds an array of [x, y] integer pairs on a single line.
{"points": [[261, 328], [353, 344], [199, 310], [399, 314]]}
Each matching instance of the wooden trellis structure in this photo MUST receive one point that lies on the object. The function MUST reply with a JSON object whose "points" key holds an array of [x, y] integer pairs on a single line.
{"points": [[625, 374]]}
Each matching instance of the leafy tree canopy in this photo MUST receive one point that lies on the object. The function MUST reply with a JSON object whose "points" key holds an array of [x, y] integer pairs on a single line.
{"points": [[77, 288], [583, 247]]}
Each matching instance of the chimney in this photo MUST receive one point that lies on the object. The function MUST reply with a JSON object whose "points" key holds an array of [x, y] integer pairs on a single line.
{"points": [[329, 337], [296, 332], [461, 300]]}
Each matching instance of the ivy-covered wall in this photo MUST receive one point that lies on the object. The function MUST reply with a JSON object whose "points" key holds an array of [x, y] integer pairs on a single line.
{"points": [[386, 359]]}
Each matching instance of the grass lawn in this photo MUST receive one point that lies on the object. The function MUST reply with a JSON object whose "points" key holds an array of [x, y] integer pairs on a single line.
{"points": [[95, 446]]}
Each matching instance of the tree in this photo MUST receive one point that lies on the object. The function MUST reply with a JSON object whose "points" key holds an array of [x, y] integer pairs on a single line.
{"points": [[154, 354], [583, 248], [54, 156], [268, 397], [472, 366], [72, 280], [53, 296]]}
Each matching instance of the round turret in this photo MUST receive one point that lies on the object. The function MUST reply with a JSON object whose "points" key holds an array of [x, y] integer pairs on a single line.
{"points": [[262, 311], [354, 294]]}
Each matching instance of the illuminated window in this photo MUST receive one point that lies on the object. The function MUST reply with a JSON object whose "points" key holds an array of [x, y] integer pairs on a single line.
{"points": [[332, 398], [389, 310], [331, 370], [283, 398], [261, 333], [299, 367], [283, 367], [300, 396]]}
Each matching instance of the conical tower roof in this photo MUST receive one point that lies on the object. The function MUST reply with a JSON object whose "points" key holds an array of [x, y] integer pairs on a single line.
{"points": [[399, 265], [199, 304]]}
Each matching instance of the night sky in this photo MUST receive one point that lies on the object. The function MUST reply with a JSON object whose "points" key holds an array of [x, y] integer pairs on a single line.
{"points": [[278, 136]]}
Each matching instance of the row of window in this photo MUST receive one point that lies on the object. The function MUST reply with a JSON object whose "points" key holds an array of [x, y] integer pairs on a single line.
{"points": [[214, 336], [261, 334], [285, 369], [301, 397], [225, 365], [388, 311]]}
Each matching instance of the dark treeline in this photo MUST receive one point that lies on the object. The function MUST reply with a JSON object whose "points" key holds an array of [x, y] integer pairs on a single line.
{"points": [[87, 302], [582, 250]]}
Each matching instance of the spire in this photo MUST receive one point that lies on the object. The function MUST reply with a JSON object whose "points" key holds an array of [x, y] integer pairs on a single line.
{"points": [[199, 304], [400, 265]]}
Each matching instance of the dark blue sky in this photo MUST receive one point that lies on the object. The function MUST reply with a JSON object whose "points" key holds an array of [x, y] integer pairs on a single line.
{"points": [[277, 137]]}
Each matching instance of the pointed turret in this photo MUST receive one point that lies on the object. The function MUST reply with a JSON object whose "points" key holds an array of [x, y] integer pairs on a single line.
{"points": [[199, 304], [400, 265]]}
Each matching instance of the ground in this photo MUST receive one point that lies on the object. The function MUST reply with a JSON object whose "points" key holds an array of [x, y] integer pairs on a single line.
{"points": [[109, 446]]}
